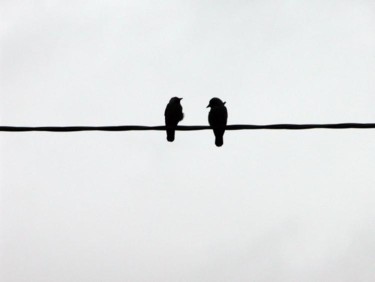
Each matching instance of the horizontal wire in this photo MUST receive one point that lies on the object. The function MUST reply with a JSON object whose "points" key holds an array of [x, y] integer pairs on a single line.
{"points": [[187, 127]]}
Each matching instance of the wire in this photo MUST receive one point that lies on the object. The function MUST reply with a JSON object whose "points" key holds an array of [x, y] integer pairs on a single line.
{"points": [[188, 127]]}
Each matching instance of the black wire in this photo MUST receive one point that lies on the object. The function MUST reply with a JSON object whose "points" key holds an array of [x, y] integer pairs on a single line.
{"points": [[187, 127]]}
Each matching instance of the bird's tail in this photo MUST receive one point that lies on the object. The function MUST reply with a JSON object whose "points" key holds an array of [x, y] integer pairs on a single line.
{"points": [[219, 136], [170, 135], [219, 141]]}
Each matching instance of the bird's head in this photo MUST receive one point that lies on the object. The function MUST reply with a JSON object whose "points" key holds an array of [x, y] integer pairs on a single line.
{"points": [[175, 100], [215, 102]]}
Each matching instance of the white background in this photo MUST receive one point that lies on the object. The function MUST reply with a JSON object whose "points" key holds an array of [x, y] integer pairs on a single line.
{"points": [[129, 206]]}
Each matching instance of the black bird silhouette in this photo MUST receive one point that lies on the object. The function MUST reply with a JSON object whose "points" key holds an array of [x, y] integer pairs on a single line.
{"points": [[217, 118], [173, 115]]}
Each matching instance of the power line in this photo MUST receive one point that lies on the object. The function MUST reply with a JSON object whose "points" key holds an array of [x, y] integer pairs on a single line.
{"points": [[187, 127]]}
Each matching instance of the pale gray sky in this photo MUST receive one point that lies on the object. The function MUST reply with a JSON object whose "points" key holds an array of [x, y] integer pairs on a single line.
{"points": [[129, 206]]}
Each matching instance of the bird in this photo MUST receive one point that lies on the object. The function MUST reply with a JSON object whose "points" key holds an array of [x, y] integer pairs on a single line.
{"points": [[173, 115], [217, 118]]}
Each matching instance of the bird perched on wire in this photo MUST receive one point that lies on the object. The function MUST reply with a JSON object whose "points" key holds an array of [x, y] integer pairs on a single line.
{"points": [[217, 119], [173, 115]]}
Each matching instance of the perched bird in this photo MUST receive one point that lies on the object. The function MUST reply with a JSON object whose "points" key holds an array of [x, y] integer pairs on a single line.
{"points": [[173, 115], [217, 119]]}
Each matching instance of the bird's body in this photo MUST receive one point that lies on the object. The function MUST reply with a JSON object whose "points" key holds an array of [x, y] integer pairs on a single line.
{"points": [[173, 115], [217, 118]]}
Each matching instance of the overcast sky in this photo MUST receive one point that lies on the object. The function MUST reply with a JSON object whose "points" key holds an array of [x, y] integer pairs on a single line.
{"points": [[130, 206]]}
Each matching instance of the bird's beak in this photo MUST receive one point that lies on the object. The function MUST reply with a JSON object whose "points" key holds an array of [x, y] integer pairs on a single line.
{"points": [[224, 103], [208, 106], [180, 98]]}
